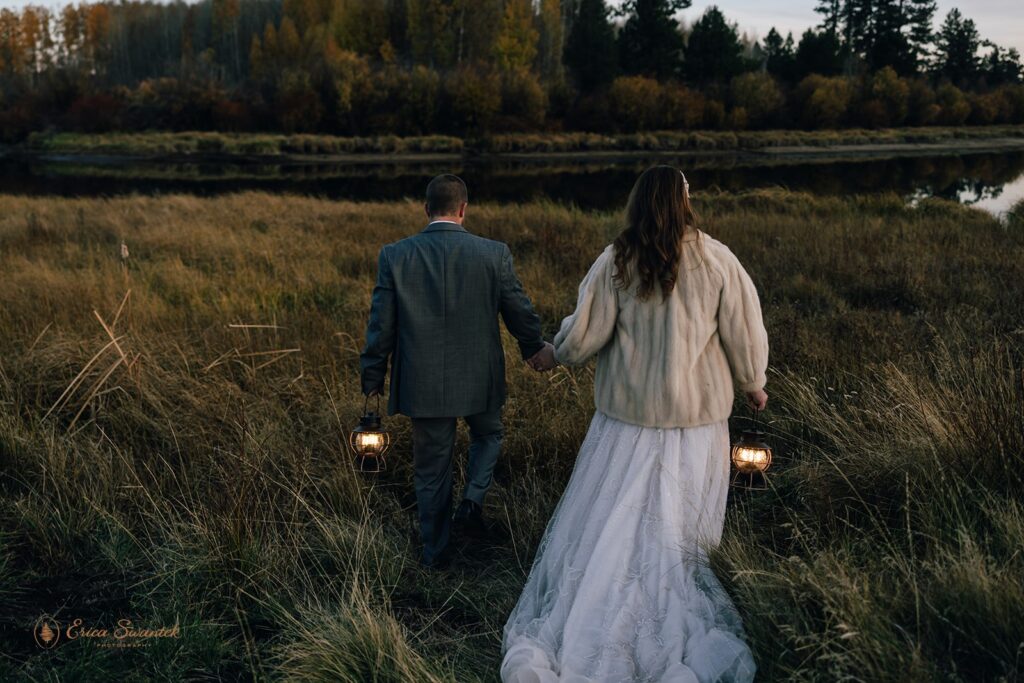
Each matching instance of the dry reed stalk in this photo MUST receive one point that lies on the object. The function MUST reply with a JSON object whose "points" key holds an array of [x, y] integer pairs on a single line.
{"points": [[267, 353], [32, 346], [95, 388], [219, 359], [6, 380], [124, 300], [280, 354], [66, 395], [130, 364]]}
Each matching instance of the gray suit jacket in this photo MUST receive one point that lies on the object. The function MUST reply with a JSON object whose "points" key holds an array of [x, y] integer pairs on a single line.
{"points": [[435, 310]]}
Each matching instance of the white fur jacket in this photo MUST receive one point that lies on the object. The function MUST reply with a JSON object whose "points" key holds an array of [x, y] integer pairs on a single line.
{"points": [[671, 363]]}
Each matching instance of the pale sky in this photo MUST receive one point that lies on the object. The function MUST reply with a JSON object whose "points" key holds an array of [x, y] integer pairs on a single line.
{"points": [[1001, 21]]}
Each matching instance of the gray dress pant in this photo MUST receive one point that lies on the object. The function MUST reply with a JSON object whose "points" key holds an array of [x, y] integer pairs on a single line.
{"points": [[433, 443]]}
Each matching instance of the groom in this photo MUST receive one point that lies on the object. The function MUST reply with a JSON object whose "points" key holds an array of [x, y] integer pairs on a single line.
{"points": [[435, 311]]}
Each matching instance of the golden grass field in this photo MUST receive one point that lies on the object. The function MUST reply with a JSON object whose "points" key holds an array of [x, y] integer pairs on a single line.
{"points": [[171, 433]]}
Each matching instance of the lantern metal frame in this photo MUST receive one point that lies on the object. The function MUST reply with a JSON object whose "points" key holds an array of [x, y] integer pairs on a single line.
{"points": [[369, 423], [753, 475]]}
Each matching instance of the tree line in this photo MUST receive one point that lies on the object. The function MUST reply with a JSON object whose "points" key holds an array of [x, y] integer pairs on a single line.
{"points": [[467, 67]]}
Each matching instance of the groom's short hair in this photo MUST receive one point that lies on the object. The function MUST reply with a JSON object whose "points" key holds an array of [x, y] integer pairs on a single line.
{"points": [[445, 193]]}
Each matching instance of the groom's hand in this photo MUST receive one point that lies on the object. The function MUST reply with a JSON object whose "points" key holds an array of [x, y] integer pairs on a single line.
{"points": [[373, 392], [543, 360]]}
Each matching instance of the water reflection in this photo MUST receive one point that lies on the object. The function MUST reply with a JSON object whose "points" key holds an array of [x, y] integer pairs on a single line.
{"points": [[994, 181], [997, 200]]}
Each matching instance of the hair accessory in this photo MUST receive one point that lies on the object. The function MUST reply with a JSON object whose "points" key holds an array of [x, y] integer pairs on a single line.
{"points": [[686, 185]]}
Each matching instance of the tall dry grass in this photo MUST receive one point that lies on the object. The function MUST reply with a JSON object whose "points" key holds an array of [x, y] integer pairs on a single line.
{"points": [[171, 434]]}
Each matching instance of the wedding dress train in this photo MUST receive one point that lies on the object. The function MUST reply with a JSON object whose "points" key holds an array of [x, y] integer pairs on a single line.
{"points": [[620, 589]]}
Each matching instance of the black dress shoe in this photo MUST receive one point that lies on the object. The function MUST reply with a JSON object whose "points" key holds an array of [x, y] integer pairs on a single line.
{"points": [[469, 519], [442, 561]]}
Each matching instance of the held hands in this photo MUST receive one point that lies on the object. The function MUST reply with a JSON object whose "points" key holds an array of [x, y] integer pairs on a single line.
{"points": [[757, 400], [543, 360]]}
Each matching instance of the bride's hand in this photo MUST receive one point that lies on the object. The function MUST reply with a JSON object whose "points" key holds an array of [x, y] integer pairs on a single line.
{"points": [[757, 400], [543, 360]]}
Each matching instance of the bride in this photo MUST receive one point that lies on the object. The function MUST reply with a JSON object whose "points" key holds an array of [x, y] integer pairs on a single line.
{"points": [[620, 588]]}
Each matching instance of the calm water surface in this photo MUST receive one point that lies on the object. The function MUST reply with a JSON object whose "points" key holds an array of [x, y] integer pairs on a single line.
{"points": [[992, 181]]}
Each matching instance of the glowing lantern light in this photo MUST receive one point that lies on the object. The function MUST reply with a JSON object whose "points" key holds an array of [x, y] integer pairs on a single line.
{"points": [[751, 456], [369, 441]]}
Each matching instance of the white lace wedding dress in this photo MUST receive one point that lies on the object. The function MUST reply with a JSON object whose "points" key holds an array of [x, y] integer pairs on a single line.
{"points": [[620, 589]]}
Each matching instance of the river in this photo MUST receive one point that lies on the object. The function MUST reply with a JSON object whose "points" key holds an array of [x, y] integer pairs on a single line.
{"points": [[992, 181]]}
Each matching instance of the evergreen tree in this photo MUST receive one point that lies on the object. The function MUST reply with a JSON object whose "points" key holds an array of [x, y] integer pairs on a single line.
{"points": [[958, 44], [772, 43], [779, 54], [650, 42], [894, 33], [885, 43], [818, 53], [1002, 66], [590, 50], [856, 24], [714, 51], [832, 13], [920, 14]]}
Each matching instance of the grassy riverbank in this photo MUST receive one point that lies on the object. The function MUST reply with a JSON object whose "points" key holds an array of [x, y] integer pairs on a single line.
{"points": [[167, 143], [194, 469]]}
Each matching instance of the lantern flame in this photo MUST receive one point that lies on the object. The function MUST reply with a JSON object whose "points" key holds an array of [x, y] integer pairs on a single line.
{"points": [[753, 456], [371, 442]]}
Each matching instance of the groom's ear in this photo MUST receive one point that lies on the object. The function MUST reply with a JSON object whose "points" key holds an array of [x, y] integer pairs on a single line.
{"points": [[426, 209], [462, 210]]}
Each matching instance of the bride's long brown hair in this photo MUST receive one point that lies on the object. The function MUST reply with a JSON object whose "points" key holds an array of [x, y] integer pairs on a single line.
{"points": [[658, 215]]}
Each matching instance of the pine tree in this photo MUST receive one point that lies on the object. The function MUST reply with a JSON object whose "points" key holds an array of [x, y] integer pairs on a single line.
{"points": [[920, 14], [856, 24], [1002, 66], [714, 51], [885, 43], [832, 11], [590, 50], [650, 42], [779, 54], [957, 48], [819, 52], [894, 33]]}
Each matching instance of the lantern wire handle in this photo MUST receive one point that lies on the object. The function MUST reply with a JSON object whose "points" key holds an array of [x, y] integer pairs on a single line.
{"points": [[366, 403]]}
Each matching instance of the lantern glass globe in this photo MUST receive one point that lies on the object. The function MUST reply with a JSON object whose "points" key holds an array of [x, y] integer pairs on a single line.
{"points": [[369, 442], [751, 458]]}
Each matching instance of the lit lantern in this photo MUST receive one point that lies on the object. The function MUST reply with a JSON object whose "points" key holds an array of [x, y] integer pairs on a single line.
{"points": [[752, 455], [369, 441]]}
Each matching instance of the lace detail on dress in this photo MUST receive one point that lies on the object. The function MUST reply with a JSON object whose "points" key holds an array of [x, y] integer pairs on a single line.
{"points": [[620, 588]]}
